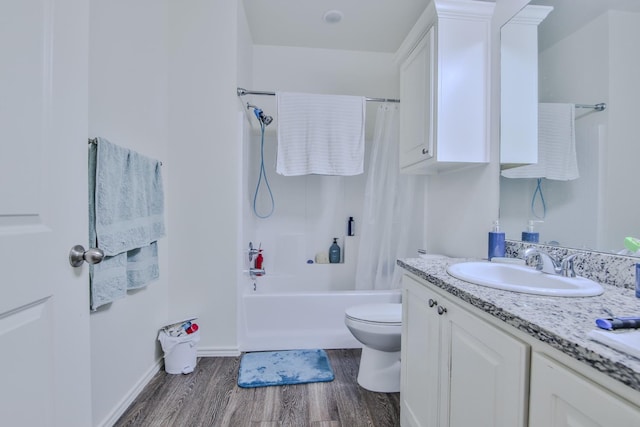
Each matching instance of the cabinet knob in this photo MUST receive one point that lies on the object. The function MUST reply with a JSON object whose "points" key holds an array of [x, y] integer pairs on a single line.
{"points": [[441, 310], [425, 150], [432, 302]]}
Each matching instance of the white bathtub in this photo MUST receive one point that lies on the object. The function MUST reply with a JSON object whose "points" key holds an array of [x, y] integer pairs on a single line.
{"points": [[274, 318]]}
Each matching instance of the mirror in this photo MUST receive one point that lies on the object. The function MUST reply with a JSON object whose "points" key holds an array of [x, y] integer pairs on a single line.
{"points": [[587, 54]]}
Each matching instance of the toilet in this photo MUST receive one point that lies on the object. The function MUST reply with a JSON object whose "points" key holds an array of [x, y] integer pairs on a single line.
{"points": [[378, 327]]}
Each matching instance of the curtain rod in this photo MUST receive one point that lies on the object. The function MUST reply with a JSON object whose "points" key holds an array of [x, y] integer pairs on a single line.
{"points": [[598, 107], [243, 92]]}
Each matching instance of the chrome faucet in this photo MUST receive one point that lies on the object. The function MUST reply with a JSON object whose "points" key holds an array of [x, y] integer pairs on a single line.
{"points": [[551, 265]]}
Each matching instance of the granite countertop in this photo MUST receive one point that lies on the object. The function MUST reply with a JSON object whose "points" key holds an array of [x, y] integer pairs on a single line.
{"points": [[560, 322]]}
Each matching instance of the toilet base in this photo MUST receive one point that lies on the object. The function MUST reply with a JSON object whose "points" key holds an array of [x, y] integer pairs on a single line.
{"points": [[379, 370]]}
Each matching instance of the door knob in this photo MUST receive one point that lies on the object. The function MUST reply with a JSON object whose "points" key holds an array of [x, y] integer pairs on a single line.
{"points": [[77, 255]]}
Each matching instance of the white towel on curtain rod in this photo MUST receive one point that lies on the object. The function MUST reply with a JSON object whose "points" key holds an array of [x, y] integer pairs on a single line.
{"points": [[320, 134]]}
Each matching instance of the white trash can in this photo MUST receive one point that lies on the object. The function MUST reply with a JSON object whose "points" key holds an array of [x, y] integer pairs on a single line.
{"points": [[179, 352]]}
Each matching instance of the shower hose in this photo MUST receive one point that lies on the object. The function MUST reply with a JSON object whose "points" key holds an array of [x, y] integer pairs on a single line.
{"points": [[262, 174]]}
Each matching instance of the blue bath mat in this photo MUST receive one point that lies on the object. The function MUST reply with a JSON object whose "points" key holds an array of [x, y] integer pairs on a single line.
{"points": [[266, 368]]}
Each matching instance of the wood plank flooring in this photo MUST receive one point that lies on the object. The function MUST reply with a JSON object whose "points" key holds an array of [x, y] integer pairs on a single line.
{"points": [[210, 397]]}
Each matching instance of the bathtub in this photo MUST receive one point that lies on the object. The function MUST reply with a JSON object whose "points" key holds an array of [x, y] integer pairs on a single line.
{"points": [[274, 317]]}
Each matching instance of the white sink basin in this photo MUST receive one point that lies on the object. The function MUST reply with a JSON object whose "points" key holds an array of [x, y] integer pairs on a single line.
{"points": [[523, 279]]}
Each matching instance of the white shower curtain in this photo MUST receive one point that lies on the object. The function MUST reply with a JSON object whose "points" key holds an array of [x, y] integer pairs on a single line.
{"points": [[389, 214]]}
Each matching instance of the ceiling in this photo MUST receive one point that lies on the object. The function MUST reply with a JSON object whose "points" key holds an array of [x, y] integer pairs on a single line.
{"points": [[569, 15], [367, 25], [381, 25]]}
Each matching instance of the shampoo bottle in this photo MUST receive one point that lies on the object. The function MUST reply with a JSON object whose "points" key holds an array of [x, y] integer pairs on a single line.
{"points": [[351, 227], [530, 235], [496, 241], [334, 252]]}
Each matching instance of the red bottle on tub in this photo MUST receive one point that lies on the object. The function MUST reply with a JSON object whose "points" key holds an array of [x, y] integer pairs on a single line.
{"points": [[259, 261]]}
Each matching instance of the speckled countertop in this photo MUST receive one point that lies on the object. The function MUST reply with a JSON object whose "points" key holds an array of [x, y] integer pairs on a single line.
{"points": [[560, 322]]}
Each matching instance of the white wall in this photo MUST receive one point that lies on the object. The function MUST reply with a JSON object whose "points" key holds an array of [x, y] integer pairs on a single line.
{"points": [[205, 156], [128, 105]]}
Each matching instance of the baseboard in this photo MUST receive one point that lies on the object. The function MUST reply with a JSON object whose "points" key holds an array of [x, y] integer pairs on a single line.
{"points": [[128, 399], [218, 352]]}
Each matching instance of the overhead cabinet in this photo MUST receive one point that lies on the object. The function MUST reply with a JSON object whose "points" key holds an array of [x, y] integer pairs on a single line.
{"points": [[445, 88]]}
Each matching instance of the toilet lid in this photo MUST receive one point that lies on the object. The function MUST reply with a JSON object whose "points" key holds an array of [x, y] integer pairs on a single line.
{"points": [[379, 313]]}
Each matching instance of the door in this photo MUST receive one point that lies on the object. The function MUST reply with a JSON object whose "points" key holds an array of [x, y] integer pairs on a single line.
{"points": [[486, 382], [44, 316]]}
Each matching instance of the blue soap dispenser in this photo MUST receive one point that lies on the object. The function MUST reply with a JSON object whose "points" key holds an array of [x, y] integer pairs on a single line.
{"points": [[531, 235], [496, 241], [334, 252]]}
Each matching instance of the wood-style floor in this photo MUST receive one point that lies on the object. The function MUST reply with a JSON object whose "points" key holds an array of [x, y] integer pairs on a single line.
{"points": [[210, 396]]}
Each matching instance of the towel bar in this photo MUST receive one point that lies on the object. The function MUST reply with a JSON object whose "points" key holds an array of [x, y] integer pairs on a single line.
{"points": [[598, 107], [95, 141]]}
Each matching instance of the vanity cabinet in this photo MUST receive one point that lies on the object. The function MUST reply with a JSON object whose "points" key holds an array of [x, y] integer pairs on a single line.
{"points": [[444, 88], [561, 397], [457, 369], [463, 367]]}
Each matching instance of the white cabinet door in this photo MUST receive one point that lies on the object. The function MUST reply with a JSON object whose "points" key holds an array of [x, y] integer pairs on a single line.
{"points": [[419, 393], [457, 369], [563, 398], [487, 372], [44, 302], [417, 95]]}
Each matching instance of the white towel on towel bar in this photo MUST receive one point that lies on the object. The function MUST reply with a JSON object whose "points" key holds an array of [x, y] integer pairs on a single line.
{"points": [[320, 134], [556, 145]]}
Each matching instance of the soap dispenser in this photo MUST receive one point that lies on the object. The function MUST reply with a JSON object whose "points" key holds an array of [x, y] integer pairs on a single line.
{"points": [[334, 252], [531, 235], [496, 241]]}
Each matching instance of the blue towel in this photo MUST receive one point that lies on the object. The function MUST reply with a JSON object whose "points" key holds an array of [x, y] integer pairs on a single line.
{"points": [[126, 218]]}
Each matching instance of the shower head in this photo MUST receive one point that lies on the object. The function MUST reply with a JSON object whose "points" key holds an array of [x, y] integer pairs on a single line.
{"points": [[264, 119]]}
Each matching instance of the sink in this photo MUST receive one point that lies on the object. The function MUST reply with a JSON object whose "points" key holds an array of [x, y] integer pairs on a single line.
{"points": [[523, 279]]}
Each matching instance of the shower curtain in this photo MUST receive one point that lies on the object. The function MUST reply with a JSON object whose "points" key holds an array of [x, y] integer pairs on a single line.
{"points": [[389, 214]]}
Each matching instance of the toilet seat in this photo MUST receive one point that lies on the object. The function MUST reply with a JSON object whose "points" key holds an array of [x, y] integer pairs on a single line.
{"points": [[388, 314]]}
